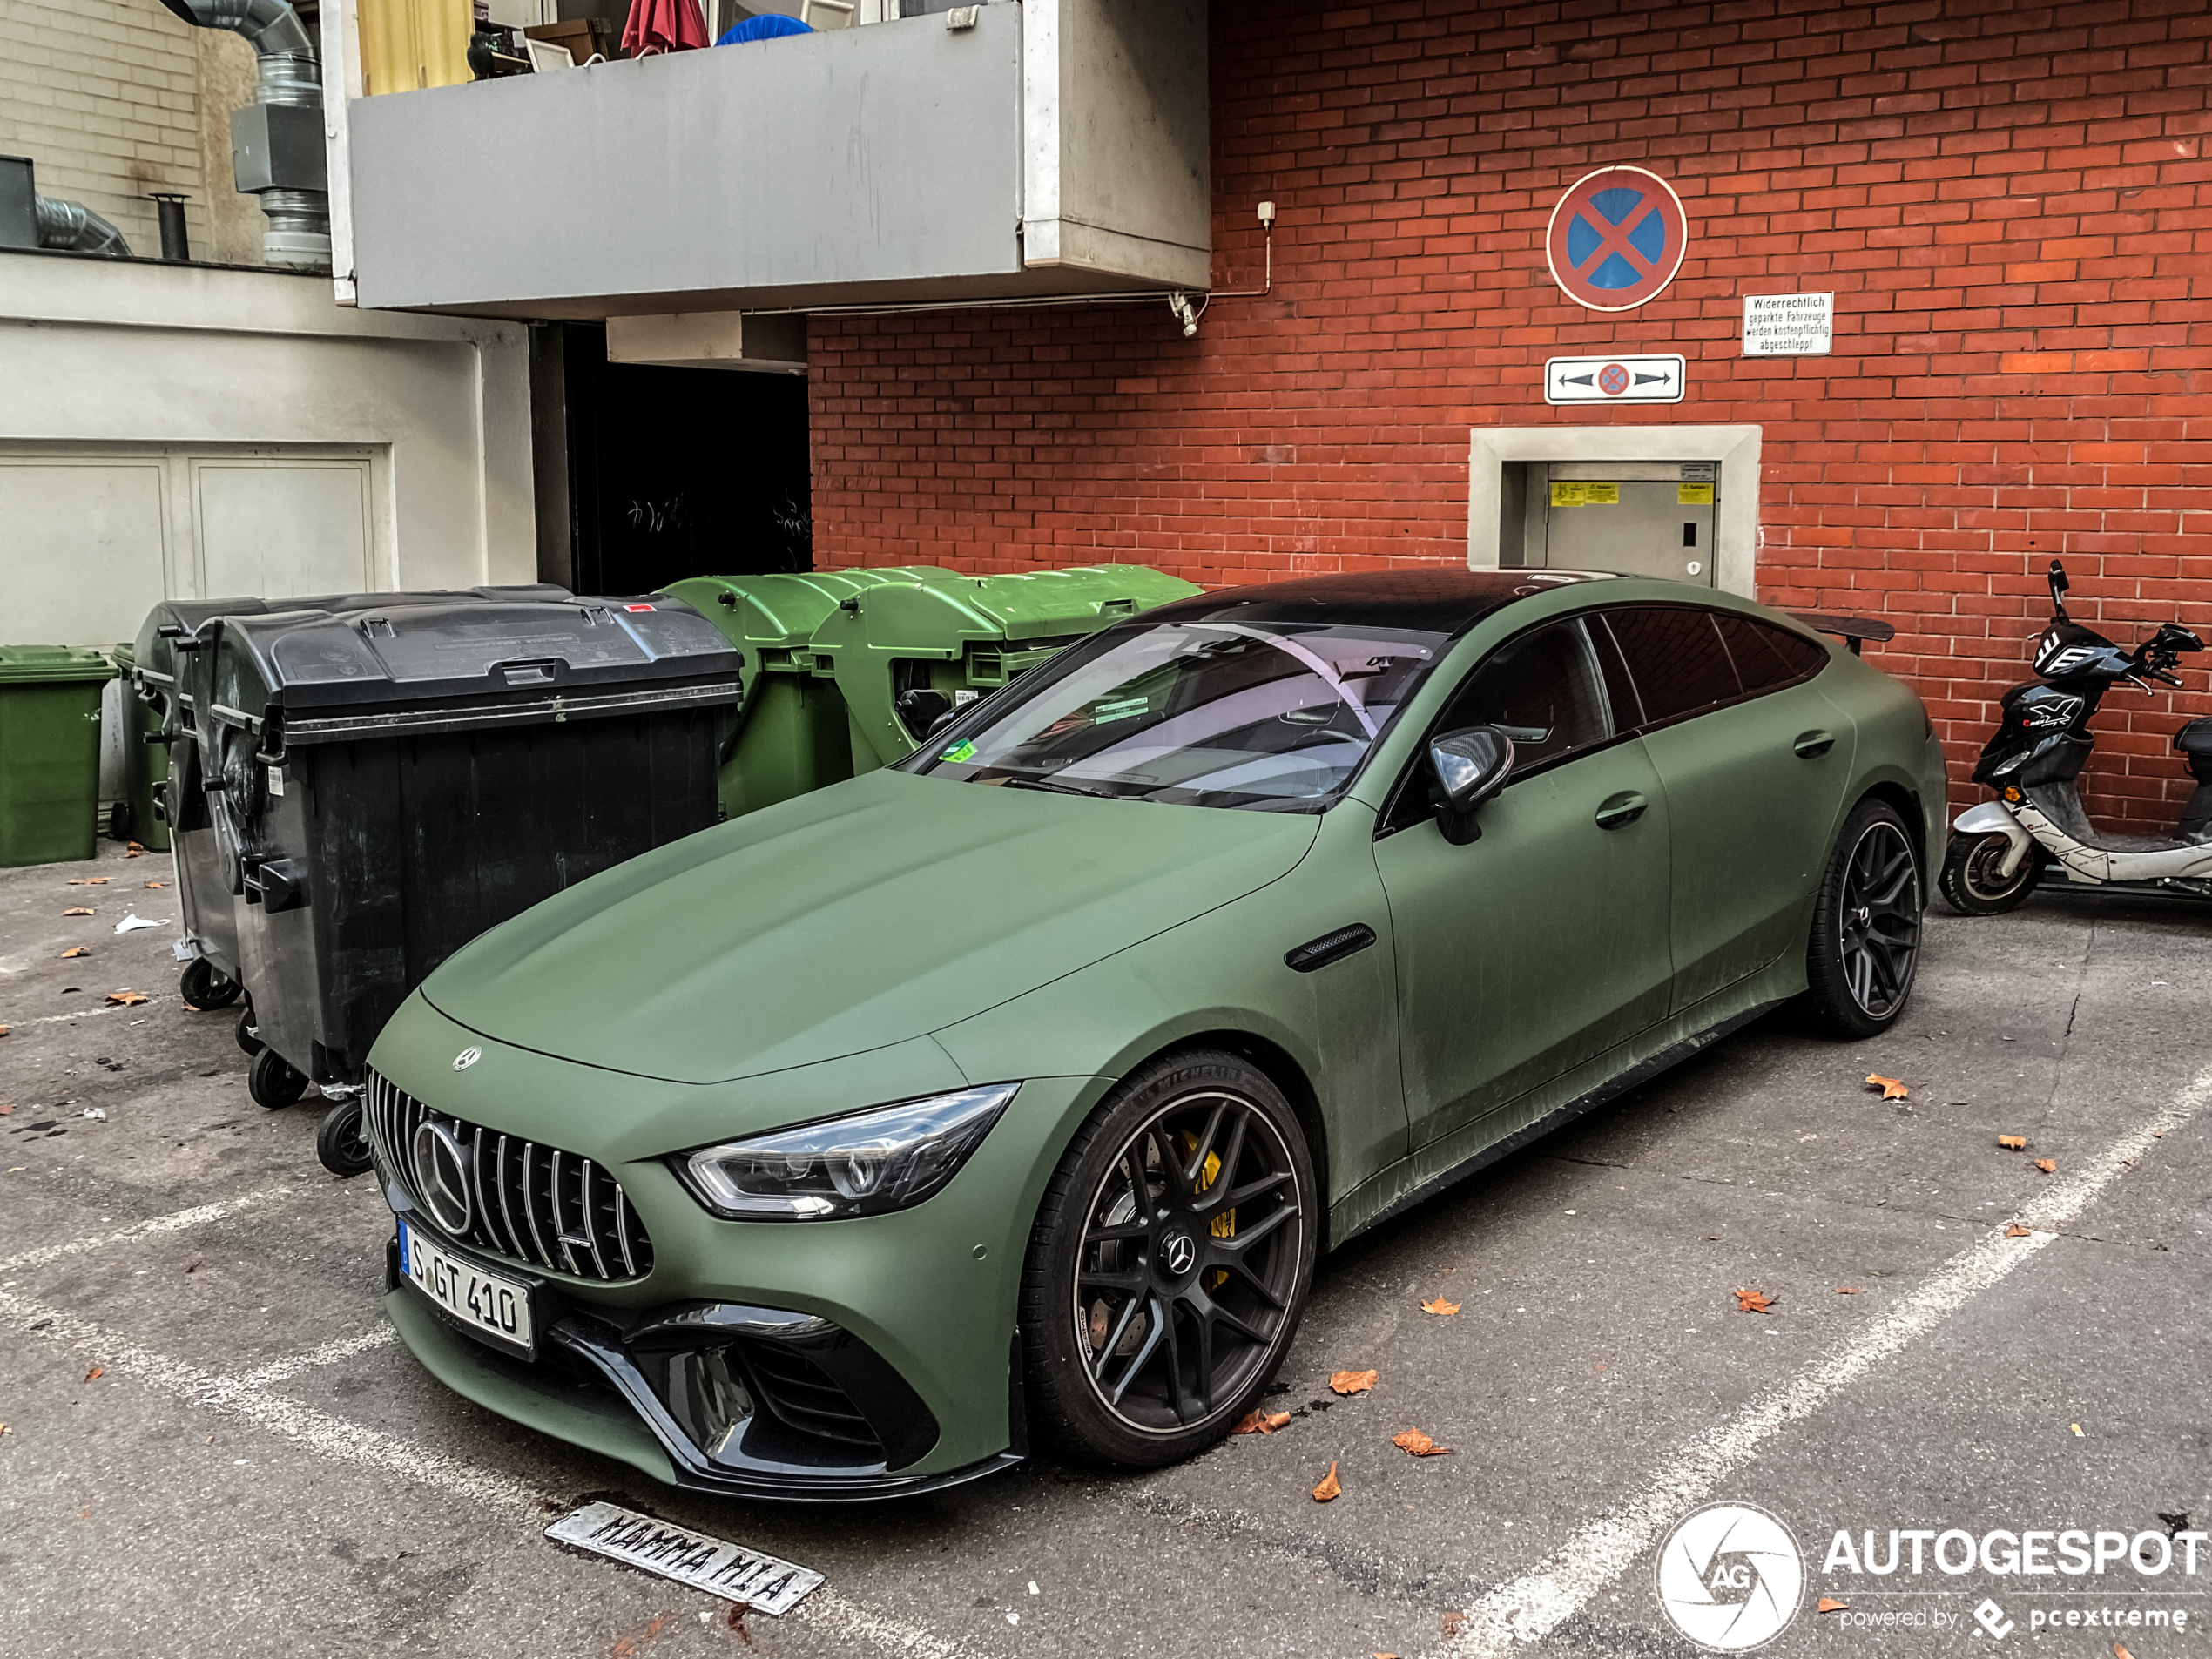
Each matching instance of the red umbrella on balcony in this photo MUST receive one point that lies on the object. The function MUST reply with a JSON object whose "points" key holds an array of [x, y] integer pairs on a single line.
{"points": [[663, 26]]}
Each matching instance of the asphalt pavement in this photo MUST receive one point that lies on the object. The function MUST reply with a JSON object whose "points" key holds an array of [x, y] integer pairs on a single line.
{"points": [[212, 1445]]}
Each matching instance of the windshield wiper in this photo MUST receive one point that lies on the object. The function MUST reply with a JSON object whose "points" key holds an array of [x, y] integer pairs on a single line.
{"points": [[1055, 789]]}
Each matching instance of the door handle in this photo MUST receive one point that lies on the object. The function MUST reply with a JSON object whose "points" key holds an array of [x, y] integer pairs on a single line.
{"points": [[1810, 745], [1617, 811]]}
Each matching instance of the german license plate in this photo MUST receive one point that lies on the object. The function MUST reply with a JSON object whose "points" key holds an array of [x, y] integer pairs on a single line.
{"points": [[487, 1305]]}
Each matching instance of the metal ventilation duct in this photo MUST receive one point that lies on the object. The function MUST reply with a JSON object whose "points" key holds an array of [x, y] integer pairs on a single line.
{"points": [[276, 141]]}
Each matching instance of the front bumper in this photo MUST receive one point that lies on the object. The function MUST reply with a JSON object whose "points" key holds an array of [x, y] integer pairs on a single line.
{"points": [[919, 1304], [596, 1387]]}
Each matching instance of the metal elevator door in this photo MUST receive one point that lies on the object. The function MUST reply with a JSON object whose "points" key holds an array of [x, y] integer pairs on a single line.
{"points": [[1634, 517]]}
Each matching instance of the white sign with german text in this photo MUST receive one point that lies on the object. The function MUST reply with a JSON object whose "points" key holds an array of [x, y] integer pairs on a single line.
{"points": [[1788, 325]]}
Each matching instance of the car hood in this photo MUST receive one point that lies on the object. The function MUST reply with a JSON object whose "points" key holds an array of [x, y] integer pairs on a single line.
{"points": [[864, 914]]}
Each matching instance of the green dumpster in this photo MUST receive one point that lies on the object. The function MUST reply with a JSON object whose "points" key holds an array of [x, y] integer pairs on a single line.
{"points": [[906, 653], [49, 752], [846, 670], [793, 735], [145, 761]]}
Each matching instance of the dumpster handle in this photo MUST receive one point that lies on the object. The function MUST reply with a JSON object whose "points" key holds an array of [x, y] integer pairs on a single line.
{"points": [[527, 670]]}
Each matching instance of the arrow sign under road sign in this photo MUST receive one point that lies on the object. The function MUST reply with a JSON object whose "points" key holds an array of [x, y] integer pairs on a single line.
{"points": [[1658, 379]]}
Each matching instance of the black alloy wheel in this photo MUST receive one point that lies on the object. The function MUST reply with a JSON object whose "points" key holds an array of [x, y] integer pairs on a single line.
{"points": [[1866, 928], [1973, 884], [273, 1081], [204, 988], [1170, 1262], [342, 1143]]}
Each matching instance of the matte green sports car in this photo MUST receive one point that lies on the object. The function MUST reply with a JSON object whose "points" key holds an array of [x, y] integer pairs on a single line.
{"points": [[840, 1150]]}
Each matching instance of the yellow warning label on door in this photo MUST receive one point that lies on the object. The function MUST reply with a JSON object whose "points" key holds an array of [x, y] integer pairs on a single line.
{"points": [[1694, 494], [1564, 494]]}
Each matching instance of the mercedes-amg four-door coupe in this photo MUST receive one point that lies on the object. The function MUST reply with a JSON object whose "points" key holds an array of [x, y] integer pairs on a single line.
{"points": [[852, 1147]]}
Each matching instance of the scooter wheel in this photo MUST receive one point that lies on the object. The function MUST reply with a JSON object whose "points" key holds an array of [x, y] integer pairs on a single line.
{"points": [[274, 1082], [341, 1145], [249, 1034], [204, 988], [1972, 885]]}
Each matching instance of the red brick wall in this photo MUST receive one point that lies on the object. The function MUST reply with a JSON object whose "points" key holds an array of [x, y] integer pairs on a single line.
{"points": [[2011, 203]]}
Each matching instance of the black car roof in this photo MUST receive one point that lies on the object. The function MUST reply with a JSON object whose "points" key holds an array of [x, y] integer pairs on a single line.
{"points": [[1444, 601]]}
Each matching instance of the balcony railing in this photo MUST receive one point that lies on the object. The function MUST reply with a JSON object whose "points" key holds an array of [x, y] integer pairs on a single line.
{"points": [[1049, 148]]}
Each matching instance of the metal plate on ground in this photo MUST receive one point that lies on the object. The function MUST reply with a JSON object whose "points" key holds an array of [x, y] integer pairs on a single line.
{"points": [[706, 1563]]}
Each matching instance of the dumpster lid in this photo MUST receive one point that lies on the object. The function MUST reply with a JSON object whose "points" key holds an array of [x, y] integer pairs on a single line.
{"points": [[30, 664], [450, 652]]}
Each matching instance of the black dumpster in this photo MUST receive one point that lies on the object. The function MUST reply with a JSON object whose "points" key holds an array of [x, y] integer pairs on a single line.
{"points": [[168, 674], [387, 782]]}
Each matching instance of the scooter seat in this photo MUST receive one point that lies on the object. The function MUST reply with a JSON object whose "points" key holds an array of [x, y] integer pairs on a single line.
{"points": [[2195, 738]]}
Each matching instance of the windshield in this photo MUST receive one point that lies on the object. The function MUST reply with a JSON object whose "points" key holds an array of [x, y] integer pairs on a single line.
{"points": [[1268, 715]]}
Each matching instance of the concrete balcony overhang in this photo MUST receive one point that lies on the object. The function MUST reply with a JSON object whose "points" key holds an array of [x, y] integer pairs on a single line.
{"points": [[1051, 148]]}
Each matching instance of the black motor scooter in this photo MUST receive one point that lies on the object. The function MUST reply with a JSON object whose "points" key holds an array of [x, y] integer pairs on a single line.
{"points": [[2000, 849]]}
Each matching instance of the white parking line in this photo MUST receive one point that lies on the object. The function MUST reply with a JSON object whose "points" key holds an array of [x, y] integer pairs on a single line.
{"points": [[176, 1221], [245, 1396], [1528, 1607], [329, 1354]]}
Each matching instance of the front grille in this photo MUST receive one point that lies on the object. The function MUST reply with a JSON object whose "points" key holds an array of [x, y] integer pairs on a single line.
{"points": [[529, 1203], [804, 1396]]}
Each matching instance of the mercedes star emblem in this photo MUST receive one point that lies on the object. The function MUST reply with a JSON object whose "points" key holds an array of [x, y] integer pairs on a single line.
{"points": [[441, 1176]]}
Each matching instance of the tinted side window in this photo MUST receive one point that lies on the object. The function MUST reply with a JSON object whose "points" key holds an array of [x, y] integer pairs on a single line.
{"points": [[1676, 658], [1548, 690], [1767, 658]]}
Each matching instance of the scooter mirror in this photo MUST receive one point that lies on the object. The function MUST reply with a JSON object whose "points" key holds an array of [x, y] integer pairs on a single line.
{"points": [[2059, 585]]}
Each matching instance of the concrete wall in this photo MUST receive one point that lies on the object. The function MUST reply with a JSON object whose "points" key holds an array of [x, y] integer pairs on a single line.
{"points": [[170, 431], [2012, 207], [116, 98]]}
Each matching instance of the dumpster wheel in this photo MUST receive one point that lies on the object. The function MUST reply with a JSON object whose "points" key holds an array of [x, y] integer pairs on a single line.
{"points": [[274, 1082], [249, 1034], [204, 988], [341, 1145]]}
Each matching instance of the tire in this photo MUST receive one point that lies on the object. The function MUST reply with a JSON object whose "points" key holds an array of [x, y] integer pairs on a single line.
{"points": [[273, 1081], [1865, 939], [1970, 882], [1123, 1310], [204, 988], [341, 1143], [249, 1034], [118, 821]]}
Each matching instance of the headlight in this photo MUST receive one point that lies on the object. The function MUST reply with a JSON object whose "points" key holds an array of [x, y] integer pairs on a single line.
{"points": [[889, 1158]]}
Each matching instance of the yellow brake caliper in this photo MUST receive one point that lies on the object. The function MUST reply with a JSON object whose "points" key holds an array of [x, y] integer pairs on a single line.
{"points": [[1224, 1224]]}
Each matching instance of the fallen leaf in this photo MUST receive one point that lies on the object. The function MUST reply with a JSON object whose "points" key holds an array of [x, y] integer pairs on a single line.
{"points": [[1830, 1604], [1890, 1088], [1329, 1491], [157, 884], [77, 950], [2120, 1651], [134, 852], [4, 1429], [127, 999], [1439, 1306], [1600, 1366], [2016, 1232], [1454, 1622], [80, 910], [95, 1373], [2012, 1143], [89, 880], [1420, 1444], [4, 1031], [2078, 1434], [1753, 1301], [735, 1620], [1261, 1423], [1355, 1382], [1382, 1656], [1850, 1290], [210, 1440], [2049, 1166], [637, 1638], [6, 1109]]}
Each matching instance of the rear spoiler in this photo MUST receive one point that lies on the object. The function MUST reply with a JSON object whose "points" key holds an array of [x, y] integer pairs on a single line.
{"points": [[1852, 630]]}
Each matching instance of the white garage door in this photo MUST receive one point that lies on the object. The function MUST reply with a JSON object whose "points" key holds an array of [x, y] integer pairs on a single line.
{"points": [[81, 548], [279, 529], [91, 540]]}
